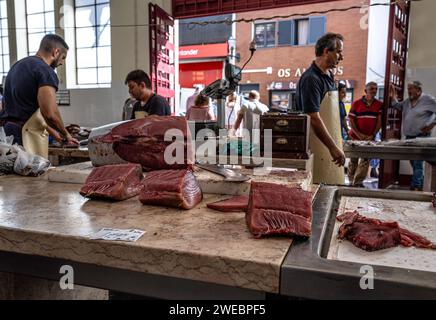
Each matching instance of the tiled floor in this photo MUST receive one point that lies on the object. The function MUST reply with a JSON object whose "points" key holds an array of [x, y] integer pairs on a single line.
{"points": [[369, 183]]}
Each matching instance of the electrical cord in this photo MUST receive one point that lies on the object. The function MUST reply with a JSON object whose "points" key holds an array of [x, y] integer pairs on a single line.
{"points": [[193, 24]]}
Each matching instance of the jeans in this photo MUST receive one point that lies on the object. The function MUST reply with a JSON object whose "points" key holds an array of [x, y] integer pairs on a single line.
{"points": [[418, 167], [418, 174], [14, 129]]}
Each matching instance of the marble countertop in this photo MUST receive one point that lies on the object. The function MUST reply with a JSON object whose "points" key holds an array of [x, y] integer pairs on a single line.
{"points": [[51, 219], [209, 182]]}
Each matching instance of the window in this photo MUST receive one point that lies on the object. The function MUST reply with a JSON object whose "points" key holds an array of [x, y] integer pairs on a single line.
{"points": [[317, 28], [282, 100], [40, 20], [244, 89], [380, 93], [4, 39], [286, 32], [265, 34], [301, 32], [93, 42]]}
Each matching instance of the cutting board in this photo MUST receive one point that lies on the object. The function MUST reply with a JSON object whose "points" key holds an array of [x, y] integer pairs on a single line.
{"points": [[209, 182], [416, 216]]}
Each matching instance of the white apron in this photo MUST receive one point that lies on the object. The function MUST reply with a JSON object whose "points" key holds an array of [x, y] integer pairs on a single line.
{"points": [[324, 169], [35, 135]]}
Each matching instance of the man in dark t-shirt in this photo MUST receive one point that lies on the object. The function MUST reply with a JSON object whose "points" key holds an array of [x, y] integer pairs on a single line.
{"points": [[148, 103], [317, 96], [31, 84]]}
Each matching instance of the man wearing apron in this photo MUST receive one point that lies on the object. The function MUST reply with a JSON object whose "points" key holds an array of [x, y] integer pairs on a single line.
{"points": [[30, 98], [317, 96], [148, 103]]}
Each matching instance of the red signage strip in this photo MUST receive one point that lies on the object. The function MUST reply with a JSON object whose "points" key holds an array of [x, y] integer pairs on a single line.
{"points": [[204, 51]]}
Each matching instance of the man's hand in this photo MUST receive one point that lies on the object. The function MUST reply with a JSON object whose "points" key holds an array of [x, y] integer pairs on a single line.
{"points": [[53, 133], [338, 156], [368, 138], [71, 141], [428, 128], [361, 136]]}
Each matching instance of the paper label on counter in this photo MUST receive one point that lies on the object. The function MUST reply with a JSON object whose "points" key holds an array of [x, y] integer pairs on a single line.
{"points": [[118, 235]]}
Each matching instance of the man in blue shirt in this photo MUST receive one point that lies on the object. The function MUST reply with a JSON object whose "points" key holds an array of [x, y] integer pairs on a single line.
{"points": [[31, 85], [317, 96]]}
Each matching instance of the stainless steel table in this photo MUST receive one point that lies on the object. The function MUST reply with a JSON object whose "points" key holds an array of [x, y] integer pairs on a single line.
{"points": [[306, 271], [382, 152]]}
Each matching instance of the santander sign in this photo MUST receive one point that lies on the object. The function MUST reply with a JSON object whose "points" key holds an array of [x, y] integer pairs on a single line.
{"points": [[188, 53], [215, 50]]}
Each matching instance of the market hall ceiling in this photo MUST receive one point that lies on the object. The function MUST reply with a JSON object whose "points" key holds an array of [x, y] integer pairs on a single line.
{"points": [[196, 8]]}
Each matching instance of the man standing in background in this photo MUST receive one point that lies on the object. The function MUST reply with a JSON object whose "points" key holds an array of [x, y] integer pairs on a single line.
{"points": [[365, 119], [147, 102], [317, 96], [419, 119]]}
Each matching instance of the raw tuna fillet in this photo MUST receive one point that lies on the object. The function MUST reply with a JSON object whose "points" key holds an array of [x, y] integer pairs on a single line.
{"points": [[235, 204], [279, 210], [115, 182], [373, 234], [143, 141], [409, 239], [171, 188]]}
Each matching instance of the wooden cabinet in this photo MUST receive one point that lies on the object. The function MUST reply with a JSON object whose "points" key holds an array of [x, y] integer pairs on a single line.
{"points": [[290, 135]]}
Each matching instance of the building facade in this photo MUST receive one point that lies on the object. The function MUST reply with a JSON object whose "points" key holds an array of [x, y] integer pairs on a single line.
{"points": [[203, 50], [286, 48]]}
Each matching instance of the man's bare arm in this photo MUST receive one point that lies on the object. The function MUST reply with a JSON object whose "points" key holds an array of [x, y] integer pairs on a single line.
{"points": [[50, 111], [238, 121]]}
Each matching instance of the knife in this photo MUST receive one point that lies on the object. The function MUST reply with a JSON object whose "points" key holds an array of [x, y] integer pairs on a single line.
{"points": [[228, 174]]}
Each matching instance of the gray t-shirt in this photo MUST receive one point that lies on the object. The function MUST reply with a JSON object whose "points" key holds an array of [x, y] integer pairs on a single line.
{"points": [[252, 111], [418, 117]]}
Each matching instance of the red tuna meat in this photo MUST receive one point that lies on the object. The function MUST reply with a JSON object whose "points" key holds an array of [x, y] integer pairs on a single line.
{"points": [[171, 188], [373, 234], [235, 204], [143, 141], [279, 210], [115, 182]]}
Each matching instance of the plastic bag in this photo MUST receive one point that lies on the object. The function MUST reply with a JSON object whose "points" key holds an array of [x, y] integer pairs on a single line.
{"points": [[8, 153], [4, 139], [14, 158], [28, 164]]}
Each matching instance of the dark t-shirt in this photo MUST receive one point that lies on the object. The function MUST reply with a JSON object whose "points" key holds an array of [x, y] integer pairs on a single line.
{"points": [[311, 89], [21, 87], [342, 111], [156, 105]]}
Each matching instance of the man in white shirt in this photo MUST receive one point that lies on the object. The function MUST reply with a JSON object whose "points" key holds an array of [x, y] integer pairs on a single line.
{"points": [[232, 110], [250, 112]]}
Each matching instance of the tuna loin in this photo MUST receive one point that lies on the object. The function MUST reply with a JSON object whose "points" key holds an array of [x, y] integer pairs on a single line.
{"points": [[235, 204], [115, 182], [373, 234], [279, 210], [171, 188], [143, 141]]}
